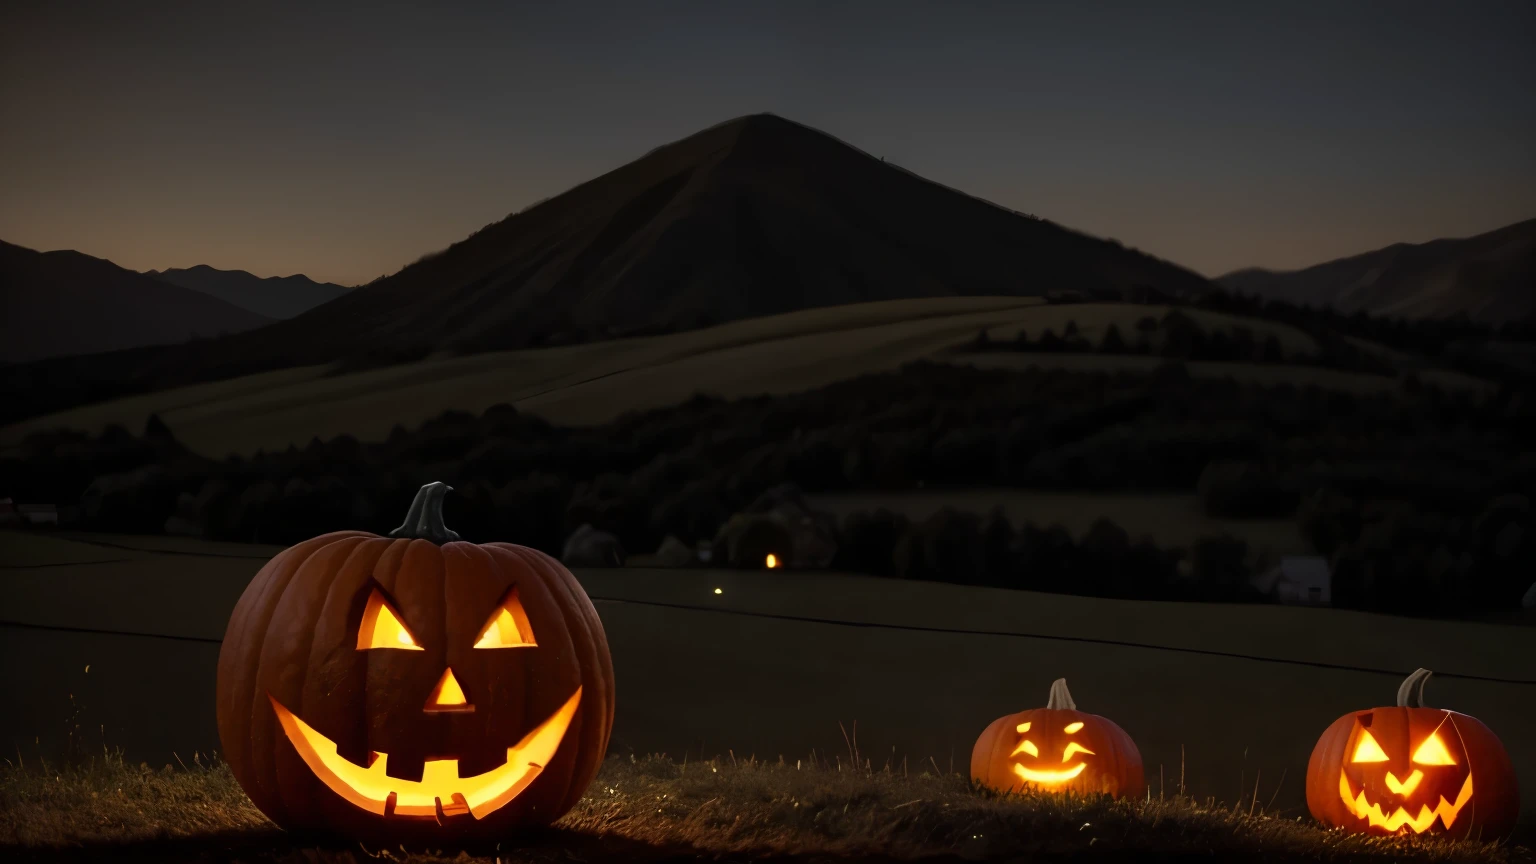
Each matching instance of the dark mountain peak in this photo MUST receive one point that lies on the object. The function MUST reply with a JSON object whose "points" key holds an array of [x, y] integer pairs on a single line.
{"points": [[755, 216]]}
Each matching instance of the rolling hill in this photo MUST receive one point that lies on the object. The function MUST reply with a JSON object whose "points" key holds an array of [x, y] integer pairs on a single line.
{"points": [[64, 303], [594, 383], [1490, 278], [276, 297], [754, 217]]}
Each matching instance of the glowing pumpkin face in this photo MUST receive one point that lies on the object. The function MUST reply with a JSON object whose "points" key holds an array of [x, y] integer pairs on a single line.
{"points": [[1410, 769], [414, 686], [1057, 749]]}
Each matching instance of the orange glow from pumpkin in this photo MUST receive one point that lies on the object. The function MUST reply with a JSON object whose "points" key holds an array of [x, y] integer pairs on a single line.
{"points": [[1404, 787], [1050, 778], [507, 627], [440, 791], [448, 695], [1075, 747], [771, 561], [1433, 752], [382, 627], [1445, 811], [1026, 746], [1367, 750]]}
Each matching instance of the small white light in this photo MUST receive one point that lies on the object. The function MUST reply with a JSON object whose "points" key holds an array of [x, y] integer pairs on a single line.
{"points": [[718, 591]]}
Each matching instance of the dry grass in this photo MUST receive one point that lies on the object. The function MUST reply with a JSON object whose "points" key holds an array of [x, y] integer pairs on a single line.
{"points": [[594, 382], [572, 385], [655, 809]]}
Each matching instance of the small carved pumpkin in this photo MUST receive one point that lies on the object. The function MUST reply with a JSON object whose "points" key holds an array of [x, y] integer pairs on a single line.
{"points": [[1411, 769], [1057, 749], [414, 686]]}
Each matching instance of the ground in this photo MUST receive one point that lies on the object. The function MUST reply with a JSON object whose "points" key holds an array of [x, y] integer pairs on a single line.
{"points": [[594, 383], [1229, 696], [654, 809]]}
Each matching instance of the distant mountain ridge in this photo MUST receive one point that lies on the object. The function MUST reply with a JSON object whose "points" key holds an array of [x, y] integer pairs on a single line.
{"points": [[276, 297], [1490, 278], [756, 216], [66, 303]]}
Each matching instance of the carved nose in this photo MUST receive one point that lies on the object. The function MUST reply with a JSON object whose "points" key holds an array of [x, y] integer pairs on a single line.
{"points": [[1404, 787], [447, 695]]}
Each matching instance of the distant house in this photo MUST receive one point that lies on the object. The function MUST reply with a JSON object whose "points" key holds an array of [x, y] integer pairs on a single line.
{"points": [[1529, 601], [777, 530], [8, 514], [1298, 581]]}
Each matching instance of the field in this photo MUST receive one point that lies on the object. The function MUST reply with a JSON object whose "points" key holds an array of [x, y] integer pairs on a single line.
{"points": [[652, 809], [1172, 519], [1230, 697], [593, 383]]}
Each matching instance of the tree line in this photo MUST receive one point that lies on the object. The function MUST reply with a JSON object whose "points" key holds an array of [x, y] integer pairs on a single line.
{"points": [[1248, 450]]}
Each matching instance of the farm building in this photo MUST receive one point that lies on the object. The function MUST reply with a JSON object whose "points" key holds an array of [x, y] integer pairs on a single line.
{"points": [[778, 530], [1302, 580], [589, 547]]}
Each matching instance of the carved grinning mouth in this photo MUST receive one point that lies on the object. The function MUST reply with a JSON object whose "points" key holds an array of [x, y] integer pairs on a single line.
{"points": [[1446, 811], [440, 792], [1048, 777]]}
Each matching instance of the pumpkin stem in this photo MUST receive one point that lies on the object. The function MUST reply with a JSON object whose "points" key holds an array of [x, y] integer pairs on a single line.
{"points": [[424, 521], [1411, 694], [1061, 697]]}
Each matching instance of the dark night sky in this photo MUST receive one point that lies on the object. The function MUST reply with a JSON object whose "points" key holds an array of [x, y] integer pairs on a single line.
{"points": [[344, 142]]}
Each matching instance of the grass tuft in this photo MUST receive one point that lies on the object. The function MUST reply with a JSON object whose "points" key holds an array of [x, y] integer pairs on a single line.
{"points": [[654, 809]]}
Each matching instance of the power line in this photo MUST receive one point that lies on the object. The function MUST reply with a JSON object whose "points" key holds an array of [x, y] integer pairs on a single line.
{"points": [[878, 625], [55, 628]]}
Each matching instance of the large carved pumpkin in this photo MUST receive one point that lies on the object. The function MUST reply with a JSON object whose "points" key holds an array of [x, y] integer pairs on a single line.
{"points": [[1057, 749], [1411, 769], [414, 686]]}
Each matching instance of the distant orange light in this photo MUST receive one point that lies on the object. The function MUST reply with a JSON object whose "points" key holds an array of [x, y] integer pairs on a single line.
{"points": [[772, 562]]}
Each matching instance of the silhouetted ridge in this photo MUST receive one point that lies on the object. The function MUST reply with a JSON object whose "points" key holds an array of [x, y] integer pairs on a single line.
{"points": [[65, 303], [1490, 278], [756, 216]]}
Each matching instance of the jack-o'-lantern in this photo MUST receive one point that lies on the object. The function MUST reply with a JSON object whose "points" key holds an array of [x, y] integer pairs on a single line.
{"points": [[1411, 769], [414, 686], [1057, 749]]}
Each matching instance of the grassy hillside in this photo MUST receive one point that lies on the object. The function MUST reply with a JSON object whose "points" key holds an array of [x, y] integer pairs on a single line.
{"points": [[652, 810], [754, 217], [1231, 697], [594, 383]]}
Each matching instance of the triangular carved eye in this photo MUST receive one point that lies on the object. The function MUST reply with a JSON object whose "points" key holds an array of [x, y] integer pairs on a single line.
{"points": [[507, 627], [382, 627], [1367, 750], [1433, 752]]}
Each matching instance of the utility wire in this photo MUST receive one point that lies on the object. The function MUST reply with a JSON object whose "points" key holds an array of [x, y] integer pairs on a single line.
{"points": [[878, 625]]}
